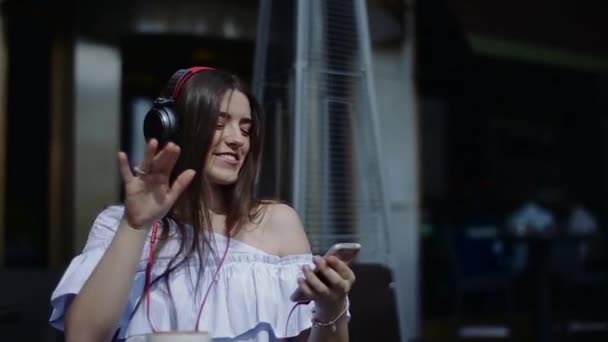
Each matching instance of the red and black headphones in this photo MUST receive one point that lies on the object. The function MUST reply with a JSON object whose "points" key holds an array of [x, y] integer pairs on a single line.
{"points": [[162, 122]]}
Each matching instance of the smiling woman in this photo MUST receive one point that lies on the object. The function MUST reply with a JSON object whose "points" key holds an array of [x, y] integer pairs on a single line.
{"points": [[192, 248]]}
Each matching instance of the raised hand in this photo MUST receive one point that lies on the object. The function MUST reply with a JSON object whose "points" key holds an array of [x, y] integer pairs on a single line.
{"points": [[149, 194]]}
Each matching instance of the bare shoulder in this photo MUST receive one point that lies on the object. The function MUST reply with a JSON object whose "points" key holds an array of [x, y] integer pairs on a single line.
{"points": [[283, 224]]}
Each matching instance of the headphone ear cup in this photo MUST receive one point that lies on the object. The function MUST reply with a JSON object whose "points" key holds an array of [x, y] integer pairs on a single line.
{"points": [[161, 124]]}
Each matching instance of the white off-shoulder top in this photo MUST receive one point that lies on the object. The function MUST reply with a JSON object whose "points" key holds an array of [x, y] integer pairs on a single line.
{"points": [[249, 302]]}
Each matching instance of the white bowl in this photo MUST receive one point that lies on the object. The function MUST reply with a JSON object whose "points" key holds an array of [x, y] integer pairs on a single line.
{"points": [[178, 337]]}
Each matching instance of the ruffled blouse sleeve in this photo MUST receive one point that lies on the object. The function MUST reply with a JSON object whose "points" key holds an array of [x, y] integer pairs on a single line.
{"points": [[80, 268]]}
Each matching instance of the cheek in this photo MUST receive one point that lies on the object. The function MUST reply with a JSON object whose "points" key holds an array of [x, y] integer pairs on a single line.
{"points": [[217, 135], [216, 138], [246, 148]]}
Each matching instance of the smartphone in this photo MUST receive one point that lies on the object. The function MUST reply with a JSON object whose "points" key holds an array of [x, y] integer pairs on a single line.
{"points": [[345, 251]]}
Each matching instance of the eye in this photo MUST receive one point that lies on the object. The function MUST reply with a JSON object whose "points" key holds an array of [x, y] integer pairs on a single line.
{"points": [[246, 129], [220, 123]]}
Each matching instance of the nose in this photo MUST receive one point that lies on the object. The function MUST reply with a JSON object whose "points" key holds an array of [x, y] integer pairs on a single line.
{"points": [[233, 136]]}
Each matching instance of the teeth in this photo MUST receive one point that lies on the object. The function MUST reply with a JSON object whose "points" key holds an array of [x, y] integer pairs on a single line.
{"points": [[230, 156]]}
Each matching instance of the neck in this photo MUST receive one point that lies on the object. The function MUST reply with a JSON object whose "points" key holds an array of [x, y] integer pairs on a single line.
{"points": [[217, 200], [217, 209]]}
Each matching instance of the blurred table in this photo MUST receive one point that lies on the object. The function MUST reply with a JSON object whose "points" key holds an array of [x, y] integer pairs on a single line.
{"points": [[540, 252]]}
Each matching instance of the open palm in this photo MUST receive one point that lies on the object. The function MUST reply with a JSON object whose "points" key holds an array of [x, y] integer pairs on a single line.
{"points": [[149, 195]]}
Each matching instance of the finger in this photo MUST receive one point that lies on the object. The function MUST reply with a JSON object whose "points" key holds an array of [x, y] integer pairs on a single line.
{"points": [[331, 277], [165, 160], [305, 292], [125, 169], [316, 285], [341, 268], [180, 184], [149, 153]]}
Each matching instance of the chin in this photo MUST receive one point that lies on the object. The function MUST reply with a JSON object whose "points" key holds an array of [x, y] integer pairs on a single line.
{"points": [[221, 178], [223, 182]]}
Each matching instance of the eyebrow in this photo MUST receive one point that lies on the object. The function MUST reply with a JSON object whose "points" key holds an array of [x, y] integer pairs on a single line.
{"points": [[243, 120]]}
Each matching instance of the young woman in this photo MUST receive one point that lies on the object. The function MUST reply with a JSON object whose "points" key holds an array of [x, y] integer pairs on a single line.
{"points": [[192, 249]]}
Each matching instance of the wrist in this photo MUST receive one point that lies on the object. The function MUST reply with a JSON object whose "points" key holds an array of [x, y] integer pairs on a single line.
{"points": [[139, 228], [134, 223], [329, 311], [329, 319]]}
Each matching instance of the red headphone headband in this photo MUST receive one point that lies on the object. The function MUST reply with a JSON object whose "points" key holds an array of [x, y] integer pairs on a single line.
{"points": [[179, 78], [189, 73]]}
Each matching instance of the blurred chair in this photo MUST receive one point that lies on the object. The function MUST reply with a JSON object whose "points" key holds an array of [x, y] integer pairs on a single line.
{"points": [[25, 306], [478, 268], [582, 287], [373, 308]]}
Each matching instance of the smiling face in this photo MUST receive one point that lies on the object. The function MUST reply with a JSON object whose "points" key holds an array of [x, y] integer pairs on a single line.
{"points": [[231, 141]]}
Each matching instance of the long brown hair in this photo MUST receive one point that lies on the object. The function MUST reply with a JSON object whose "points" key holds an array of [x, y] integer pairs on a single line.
{"points": [[198, 108]]}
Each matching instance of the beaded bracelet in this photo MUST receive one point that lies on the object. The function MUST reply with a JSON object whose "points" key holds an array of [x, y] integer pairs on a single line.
{"points": [[332, 323]]}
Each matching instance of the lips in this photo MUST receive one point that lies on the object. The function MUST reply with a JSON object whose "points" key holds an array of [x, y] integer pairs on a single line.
{"points": [[228, 157]]}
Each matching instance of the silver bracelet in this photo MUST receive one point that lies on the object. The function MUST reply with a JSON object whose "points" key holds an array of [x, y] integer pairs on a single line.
{"points": [[331, 324]]}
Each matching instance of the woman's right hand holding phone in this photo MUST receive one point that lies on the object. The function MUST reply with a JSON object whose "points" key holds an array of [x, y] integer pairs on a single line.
{"points": [[149, 193]]}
